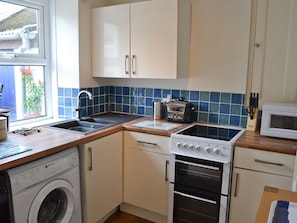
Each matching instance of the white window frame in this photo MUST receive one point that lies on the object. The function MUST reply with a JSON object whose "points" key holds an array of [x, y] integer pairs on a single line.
{"points": [[45, 57]]}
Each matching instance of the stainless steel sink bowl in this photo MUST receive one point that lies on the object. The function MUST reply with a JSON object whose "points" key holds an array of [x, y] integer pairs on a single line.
{"points": [[83, 127]]}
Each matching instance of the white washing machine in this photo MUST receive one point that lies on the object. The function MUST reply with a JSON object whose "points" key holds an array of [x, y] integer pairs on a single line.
{"points": [[47, 190]]}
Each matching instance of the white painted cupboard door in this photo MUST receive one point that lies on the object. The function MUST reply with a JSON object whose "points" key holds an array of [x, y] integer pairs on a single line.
{"points": [[110, 41], [274, 73], [154, 39], [247, 189], [102, 177], [144, 180]]}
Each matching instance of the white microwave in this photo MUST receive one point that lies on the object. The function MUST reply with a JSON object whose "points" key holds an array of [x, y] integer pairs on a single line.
{"points": [[279, 120]]}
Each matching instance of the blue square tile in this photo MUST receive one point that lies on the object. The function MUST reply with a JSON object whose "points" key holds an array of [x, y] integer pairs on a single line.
{"points": [[119, 99], [133, 109], [243, 121], [126, 100], [225, 97], [119, 90], [149, 102], [68, 92], [141, 101], [106, 98], [112, 90], [203, 106], [101, 108], [204, 96], [126, 108], [112, 107], [74, 92], [61, 111], [133, 91], [214, 97], [112, 98], [213, 118], [118, 108], [194, 95], [96, 100], [185, 95], [101, 90], [68, 102], [236, 98], [126, 91], [61, 92], [157, 93], [101, 99], [234, 120], [140, 110], [166, 92], [244, 111], [68, 112], [225, 108], [203, 117], [235, 109], [214, 107], [224, 119], [175, 94], [61, 101], [141, 91], [149, 111], [149, 92], [106, 89]]}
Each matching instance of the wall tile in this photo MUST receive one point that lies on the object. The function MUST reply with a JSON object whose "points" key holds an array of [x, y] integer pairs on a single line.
{"points": [[214, 107]]}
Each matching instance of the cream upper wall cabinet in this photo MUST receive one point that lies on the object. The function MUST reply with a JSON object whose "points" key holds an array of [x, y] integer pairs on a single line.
{"points": [[148, 39], [273, 51]]}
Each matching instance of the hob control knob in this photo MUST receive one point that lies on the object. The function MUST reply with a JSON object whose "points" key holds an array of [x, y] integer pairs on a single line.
{"points": [[179, 145], [192, 147], [208, 149], [198, 148], [185, 146], [217, 151]]}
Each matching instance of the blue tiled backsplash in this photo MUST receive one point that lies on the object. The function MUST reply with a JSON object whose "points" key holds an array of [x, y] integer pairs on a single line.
{"points": [[211, 107]]}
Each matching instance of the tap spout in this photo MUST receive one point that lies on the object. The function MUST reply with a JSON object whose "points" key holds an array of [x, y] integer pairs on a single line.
{"points": [[79, 109]]}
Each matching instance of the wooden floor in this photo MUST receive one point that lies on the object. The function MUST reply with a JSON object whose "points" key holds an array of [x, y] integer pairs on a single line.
{"points": [[122, 217]]}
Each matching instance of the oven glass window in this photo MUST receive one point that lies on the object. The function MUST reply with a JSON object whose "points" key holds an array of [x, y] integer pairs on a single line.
{"points": [[283, 122], [210, 132], [53, 207]]}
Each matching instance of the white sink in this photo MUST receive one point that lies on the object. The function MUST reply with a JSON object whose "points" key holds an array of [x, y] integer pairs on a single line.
{"points": [[156, 125]]}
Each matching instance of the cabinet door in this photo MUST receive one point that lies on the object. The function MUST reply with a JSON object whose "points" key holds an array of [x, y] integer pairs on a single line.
{"points": [[247, 189], [101, 173], [154, 38], [145, 172], [110, 41], [274, 51]]}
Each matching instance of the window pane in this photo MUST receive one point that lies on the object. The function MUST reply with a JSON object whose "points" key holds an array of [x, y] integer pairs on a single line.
{"points": [[19, 27], [23, 91]]}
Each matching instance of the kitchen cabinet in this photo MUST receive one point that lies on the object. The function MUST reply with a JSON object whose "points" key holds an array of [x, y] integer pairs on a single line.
{"points": [[146, 162], [101, 176], [254, 169], [149, 39], [273, 51]]}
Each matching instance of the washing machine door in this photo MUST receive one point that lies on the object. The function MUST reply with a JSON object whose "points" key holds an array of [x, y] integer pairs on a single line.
{"points": [[54, 203]]}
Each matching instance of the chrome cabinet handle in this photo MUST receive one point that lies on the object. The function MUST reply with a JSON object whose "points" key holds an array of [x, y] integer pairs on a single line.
{"points": [[147, 143], [126, 64], [196, 198], [268, 162], [166, 170], [91, 158], [134, 65], [236, 185]]}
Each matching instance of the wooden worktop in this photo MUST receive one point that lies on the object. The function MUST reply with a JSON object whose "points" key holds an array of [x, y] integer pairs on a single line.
{"points": [[254, 140], [271, 194], [49, 141]]}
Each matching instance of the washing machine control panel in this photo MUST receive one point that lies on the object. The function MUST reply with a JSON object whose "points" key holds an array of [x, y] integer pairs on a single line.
{"points": [[32, 174]]}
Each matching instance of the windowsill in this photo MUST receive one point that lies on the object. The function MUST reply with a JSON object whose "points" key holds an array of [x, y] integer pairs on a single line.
{"points": [[37, 123]]}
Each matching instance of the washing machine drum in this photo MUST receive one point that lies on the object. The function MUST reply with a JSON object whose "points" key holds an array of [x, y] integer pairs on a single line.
{"points": [[54, 203]]}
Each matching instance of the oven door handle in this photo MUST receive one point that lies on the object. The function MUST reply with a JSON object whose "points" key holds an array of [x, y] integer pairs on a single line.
{"points": [[198, 165], [196, 198]]}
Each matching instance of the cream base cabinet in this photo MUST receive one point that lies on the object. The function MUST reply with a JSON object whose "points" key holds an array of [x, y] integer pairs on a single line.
{"points": [[253, 170], [146, 161], [149, 39], [101, 176]]}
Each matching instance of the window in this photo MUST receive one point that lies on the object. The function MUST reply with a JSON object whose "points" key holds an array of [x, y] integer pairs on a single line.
{"points": [[25, 81]]}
